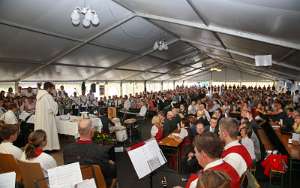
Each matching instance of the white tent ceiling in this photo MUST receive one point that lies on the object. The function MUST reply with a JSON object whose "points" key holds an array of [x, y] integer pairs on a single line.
{"points": [[38, 41]]}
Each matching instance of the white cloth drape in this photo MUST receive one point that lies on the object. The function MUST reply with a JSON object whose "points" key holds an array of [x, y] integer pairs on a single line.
{"points": [[46, 110]]}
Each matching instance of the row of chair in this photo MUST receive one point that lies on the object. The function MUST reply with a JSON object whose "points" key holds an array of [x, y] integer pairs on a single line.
{"points": [[30, 175]]}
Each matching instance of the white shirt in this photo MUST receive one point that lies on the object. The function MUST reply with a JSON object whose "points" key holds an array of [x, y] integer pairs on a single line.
{"points": [[143, 111], [208, 166], [207, 115], [127, 104], [235, 160], [154, 130], [212, 130], [83, 100], [296, 98], [9, 117], [9, 148], [249, 145], [183, 133], [192, 109], [46, 161]]}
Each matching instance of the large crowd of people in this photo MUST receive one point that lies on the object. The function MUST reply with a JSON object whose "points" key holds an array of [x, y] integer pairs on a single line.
{"points": [[215, 144]]}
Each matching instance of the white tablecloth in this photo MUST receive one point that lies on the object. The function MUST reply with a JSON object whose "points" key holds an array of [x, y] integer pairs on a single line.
{"points": [[70, 127], [64, 126]]}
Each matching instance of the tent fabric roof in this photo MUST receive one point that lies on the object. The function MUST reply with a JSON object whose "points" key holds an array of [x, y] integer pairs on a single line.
{"points": [[38, 41]]}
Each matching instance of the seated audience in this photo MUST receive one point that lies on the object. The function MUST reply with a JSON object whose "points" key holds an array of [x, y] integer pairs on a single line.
{"points": [[157, 128], [33, 151], [254, 139], [170, 124], [183, 125], [213, 126], [2, 109], [246, 132], [192, 108], [9, 134], [143, 110], [10, 117], [208, 150], [86, 152], [214, 179], [234, 153], [296, 125], [200, 128]]}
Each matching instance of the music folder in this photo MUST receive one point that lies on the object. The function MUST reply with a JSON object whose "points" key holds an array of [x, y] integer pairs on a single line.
{"points": [[146, 157]]}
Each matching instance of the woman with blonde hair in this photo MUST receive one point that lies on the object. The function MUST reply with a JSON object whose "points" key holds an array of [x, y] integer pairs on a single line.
{"points": [[157, 128], [33, 152]]}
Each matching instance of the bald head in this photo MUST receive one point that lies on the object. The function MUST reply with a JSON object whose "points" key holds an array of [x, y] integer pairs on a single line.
{"points": [[85, 127]]}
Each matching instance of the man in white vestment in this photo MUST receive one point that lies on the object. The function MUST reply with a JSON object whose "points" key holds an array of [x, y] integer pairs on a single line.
{"points": [[46, 110]]}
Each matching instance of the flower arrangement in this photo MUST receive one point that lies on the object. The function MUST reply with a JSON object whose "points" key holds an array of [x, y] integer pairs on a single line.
{"points": [[103, 138]]}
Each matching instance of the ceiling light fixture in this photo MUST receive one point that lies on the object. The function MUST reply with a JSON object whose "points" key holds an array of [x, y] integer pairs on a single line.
{"points": [[216, 69], [90, 17], [160, 45]]}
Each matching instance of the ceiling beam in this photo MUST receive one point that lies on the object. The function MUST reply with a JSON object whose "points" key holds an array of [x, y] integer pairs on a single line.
{"points": [[218, 29], [28, 74], [40, 31], [289, 54], [65, 37], [250, 65], [128, 60], [163, 64], [246, 66], [215, 64], [248, 70], [200, 16], [282, 64], [181, 66]]}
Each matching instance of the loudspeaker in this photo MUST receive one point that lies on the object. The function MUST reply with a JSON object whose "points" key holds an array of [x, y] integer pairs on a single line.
{"points": [[93, 87], [263, 60]]}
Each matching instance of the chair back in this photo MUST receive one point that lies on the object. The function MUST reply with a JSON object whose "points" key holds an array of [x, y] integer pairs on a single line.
{"points": [[93, 171], [32, 174], [8, 164]]}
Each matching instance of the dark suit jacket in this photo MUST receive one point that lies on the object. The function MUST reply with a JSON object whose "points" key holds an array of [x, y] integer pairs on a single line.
{"points": [[215, 131], [87, 154]]}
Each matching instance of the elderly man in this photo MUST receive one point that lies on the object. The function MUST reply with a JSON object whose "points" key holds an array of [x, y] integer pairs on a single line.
{"points": [[170, 124], [86, 152]]}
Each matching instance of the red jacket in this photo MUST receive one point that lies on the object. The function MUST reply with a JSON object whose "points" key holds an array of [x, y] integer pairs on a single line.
{"points": [[224, 167], [242, 151], [159, 135], [274, 162]]}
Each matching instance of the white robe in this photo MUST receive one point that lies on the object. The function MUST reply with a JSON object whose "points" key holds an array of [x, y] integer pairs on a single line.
{"points": [[46, 110]]}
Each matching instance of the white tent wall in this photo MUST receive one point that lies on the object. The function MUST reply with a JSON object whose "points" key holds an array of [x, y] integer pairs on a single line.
{"points": [[5, 85], [153, 86], [167, 85]]}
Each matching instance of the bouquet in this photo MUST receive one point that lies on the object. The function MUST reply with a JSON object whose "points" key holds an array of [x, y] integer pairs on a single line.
{"points": [[103, 138]]}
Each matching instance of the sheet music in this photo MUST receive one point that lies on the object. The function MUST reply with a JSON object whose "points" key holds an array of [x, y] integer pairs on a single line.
{"points": [[153, 146], [140, 165], [65, 176], [147, 158], [7, 180], [88, 183]]}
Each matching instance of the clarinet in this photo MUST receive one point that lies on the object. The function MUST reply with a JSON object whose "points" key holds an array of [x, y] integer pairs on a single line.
{"points": [[164, 182]]}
